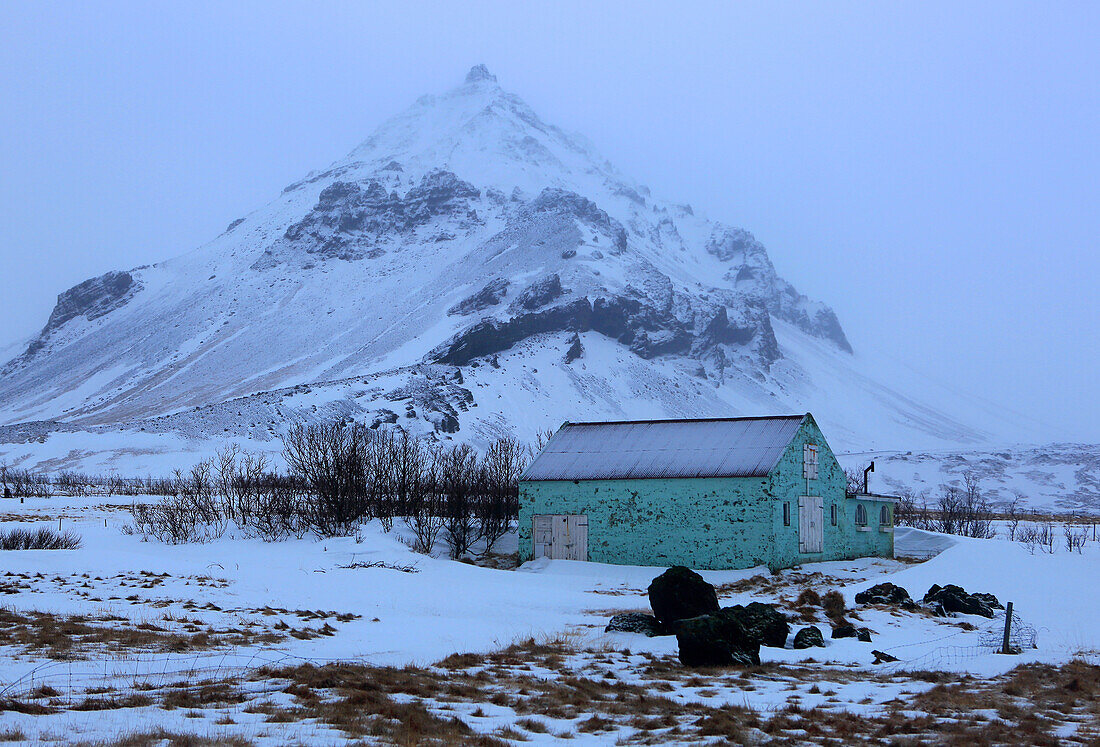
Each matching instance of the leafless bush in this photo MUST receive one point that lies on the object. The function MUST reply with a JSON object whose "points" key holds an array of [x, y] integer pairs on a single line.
{"points": [[1039, 537], [964, 511], [1075, 536], [22, 483], [331, 459], [853, 479], [1013, 515], [340, 476], [42, 538], [458, 484], [501, 468]]}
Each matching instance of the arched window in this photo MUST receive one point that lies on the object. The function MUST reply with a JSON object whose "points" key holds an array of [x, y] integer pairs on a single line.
{"points": [[884, 516], [861, 515]]}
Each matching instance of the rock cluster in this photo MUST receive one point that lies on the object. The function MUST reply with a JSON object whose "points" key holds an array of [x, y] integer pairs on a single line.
{"points": [[885, 593], [954, 599]]}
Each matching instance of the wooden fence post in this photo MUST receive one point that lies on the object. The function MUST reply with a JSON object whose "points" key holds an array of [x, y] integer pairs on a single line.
{"points": [[1008, 628]]}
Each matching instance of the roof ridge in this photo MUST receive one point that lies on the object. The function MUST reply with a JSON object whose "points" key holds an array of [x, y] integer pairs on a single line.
{"points": [[687, 420]]}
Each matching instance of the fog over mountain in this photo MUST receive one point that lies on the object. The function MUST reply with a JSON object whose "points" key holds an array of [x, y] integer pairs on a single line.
{"points": [[469, 270]]}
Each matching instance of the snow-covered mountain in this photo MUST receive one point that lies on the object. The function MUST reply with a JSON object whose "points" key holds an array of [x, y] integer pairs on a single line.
{"points": [[468, 270]]}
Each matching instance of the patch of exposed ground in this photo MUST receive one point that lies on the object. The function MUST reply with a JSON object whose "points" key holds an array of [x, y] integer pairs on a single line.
{"points": [[536, 691], [37, 634]]}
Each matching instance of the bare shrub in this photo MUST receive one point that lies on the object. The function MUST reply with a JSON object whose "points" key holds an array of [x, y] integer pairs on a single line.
{"points": [[853, 479], [1075, 537], [22, 483], [834, 605], [1037, 537], [424, 514], [458, 483], [501, 467], [42, 538], [330, 458], [964, 510], [1013, 515]]}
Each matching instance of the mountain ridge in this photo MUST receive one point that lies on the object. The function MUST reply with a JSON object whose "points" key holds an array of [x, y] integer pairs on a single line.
{"points": [[468, 270]]}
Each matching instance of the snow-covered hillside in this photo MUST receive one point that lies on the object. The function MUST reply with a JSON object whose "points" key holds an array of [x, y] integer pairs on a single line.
{"points": [[469, 270]]}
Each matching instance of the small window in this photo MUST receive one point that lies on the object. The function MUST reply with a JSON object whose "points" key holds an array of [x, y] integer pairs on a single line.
{"points": [[786, 513], [832, 514], [884, 516], [809, 462], [861, 515]]}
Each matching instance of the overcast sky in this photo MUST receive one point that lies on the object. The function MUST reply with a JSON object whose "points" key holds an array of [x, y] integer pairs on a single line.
{"points": [[929, 170]]}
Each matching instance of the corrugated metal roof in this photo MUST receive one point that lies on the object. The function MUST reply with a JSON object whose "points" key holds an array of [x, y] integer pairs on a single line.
{"points": [[727, 447]]}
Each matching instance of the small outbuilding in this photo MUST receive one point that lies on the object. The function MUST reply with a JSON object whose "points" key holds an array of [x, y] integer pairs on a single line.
{"points": [[710, 493]]}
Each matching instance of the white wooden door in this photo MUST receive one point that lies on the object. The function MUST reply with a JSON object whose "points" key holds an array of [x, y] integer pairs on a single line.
{"points": [[542, 533], [561, 536], [811, 515]]}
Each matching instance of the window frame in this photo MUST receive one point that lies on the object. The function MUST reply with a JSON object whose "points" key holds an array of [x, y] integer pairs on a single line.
{"points": [[786, 513], [833, 514], [884, 516], [809, 461], [861, 515]]}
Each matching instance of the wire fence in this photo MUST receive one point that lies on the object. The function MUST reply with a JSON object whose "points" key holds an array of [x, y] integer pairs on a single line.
{"points": [[71, 678], [1022, 635]]}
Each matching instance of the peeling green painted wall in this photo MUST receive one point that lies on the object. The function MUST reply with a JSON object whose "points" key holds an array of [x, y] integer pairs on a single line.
{"points": [[711, 523]]}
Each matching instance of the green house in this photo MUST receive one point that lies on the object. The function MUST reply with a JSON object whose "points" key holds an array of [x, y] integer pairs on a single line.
{"points": [[714, 493]]}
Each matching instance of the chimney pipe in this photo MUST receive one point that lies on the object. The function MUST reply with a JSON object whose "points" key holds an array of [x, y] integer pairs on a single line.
{"points": [[870, 468]]}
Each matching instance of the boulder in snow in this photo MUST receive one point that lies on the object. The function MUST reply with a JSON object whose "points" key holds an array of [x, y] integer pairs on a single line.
{"points": [[715, 640], [636, 622], [680, 593], [763, 622], [809, 637]]}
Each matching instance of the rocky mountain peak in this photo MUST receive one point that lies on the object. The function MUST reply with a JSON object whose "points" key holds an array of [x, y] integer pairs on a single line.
{"points": [[479, 74]]}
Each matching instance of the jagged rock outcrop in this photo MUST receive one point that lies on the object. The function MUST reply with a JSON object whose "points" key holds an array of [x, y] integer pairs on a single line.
{"points": [[91, 299], [952, 599], [350, 217], [886, 593], [576, 349], [645, 329], [540, 293], [491, 295]]}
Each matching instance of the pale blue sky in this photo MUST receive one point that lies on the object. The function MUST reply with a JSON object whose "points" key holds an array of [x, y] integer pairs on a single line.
{"points": [[928, 169]]}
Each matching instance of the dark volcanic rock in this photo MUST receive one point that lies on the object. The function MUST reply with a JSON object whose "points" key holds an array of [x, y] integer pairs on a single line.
{"points": [[845, 631], [954, 599], [715, 640], [647, 331], [885, 593], [989, 599], [90, 299], [808, 637], [571, 204], [864, 635], [636, 622], [540, 293], [493, 336], [576, 349], [491, 295], [763, 623], [680, 593], [350, 216]]}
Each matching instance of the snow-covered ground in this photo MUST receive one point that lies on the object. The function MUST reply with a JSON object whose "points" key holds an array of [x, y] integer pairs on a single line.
{"points": [[223, 609]]}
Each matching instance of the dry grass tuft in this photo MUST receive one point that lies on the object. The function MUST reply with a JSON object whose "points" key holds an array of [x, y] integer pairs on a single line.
{"points": [[808, 598]]}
